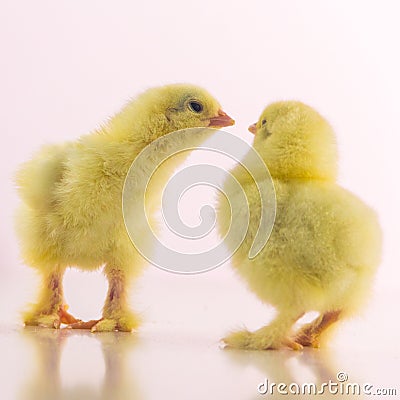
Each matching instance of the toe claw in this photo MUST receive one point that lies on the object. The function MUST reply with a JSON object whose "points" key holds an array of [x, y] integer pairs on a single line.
{"points": [[65, 317], [292, 344]]}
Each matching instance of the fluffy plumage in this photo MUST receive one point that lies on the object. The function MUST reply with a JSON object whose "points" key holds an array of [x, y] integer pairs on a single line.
{"points": [[71, 213], [326, 243]]}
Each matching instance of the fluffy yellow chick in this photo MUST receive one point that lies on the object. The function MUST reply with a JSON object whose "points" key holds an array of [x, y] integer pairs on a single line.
{"points": [[325, 245], [71, 211]]}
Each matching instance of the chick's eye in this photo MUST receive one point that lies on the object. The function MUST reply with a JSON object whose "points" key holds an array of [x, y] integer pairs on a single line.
{"points": [[263, 122], [196, 106]]}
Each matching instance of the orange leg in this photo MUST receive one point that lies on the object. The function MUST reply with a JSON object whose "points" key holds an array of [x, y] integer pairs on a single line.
{"points": [[50, 311], [309, 335]]}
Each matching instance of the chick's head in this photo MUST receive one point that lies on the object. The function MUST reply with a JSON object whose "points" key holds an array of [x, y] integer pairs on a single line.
{"points": [[295, 141], [165, 109]]}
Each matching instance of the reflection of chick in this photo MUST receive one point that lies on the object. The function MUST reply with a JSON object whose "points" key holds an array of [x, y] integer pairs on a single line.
{"points": [[49, 380], [71, 213], [287, 374], [325, 245], [45, 381]]}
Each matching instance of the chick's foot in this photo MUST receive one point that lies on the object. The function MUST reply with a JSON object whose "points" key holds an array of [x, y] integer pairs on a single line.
{"points": [[238, 340], [310, 334], [308, 337], [124, 322], [263, 339], [52, 319], [65, 317], [83, 324], [43, 320]]}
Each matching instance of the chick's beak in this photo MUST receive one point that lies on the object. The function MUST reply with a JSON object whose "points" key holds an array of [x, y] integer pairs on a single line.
{"points": [[253, 129], [221, 120]]}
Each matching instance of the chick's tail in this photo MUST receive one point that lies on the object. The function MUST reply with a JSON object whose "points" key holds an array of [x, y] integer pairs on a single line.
{"points": [[36, 179]]}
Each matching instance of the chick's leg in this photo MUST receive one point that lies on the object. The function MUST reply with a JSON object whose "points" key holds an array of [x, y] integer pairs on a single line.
{"points": [[50, 311], [272, 336], [116, 312], [310, 334]]}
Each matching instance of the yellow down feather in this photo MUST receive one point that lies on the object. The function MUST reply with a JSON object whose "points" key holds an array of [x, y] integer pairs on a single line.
{"points": [[71, 211], [325, 245]]}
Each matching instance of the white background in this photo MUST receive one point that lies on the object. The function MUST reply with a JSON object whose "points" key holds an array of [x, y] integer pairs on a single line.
{"points": [[67, 65]]}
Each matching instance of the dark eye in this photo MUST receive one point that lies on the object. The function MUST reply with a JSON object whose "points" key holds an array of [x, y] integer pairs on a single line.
{"points": [[263, 122], [196, 106]]}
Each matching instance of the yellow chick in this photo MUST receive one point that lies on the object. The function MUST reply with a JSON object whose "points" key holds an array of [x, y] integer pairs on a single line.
{"points": [[325, 245], [71, 211]]}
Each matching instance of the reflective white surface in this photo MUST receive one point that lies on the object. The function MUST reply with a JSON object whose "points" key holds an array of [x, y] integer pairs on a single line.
{"points": [[176, 353]]}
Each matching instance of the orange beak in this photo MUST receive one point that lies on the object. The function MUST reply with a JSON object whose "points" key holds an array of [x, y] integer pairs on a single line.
{"points": [[253, 128], [221, 120]]}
